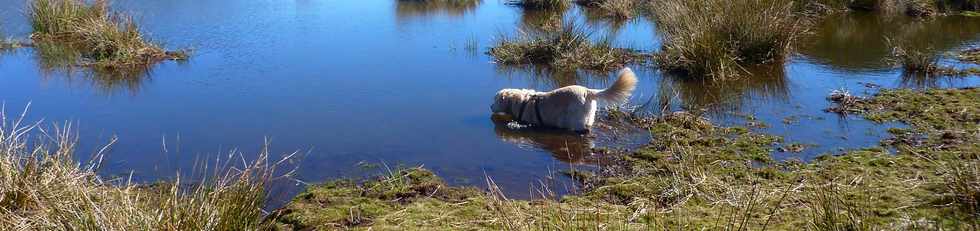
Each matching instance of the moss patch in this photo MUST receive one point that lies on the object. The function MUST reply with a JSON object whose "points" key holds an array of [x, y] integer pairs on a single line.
{"points": [[390, 200]]}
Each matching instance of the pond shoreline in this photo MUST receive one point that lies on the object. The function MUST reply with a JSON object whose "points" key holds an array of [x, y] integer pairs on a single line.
{"points": [[698, 175]]}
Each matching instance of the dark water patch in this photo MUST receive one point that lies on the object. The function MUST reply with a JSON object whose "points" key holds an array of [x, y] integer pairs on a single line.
{"points": [[857, 42]]}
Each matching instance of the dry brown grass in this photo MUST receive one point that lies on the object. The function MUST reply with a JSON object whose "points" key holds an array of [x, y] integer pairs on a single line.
{"points": [[44, 187], [616, 9]]}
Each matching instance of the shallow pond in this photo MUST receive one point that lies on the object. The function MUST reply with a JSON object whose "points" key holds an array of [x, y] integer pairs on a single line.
{"points": [[405, 83]]}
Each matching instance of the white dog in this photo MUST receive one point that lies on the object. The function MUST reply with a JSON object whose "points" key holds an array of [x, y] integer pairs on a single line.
{"points": [[571, 107]]}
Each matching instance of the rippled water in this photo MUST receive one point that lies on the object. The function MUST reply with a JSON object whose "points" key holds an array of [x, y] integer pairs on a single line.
{"points": [[407, 83]]}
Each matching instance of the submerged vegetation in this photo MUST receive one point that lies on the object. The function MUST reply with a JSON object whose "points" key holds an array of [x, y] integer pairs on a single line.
{"points": [[717, 39], [89, 34], [568, 48]]}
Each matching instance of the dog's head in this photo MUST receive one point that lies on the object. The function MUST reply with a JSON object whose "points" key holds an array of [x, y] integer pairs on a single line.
{"points": [[507, 100]]}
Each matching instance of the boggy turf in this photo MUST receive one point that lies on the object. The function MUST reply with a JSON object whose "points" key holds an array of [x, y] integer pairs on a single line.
{"points": [[695, 174]]}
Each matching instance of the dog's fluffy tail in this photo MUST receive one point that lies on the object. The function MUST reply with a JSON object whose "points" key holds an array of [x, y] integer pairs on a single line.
{"points": [[621, 90]]}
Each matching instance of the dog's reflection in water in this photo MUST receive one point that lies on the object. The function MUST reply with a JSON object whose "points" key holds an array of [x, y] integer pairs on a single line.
{"points": [[567, 146]]}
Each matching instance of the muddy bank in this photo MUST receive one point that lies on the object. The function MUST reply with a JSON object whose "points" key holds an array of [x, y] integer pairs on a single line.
{"points": [[695, 174]]}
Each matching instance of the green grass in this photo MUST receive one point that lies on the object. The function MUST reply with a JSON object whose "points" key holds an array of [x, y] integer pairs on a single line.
{"points": [[717, 39], [569, 48], [43, 187], [92, 35]]}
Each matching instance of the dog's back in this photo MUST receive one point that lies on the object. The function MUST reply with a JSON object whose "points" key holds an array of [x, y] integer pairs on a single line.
{"points": [[572, 107]]}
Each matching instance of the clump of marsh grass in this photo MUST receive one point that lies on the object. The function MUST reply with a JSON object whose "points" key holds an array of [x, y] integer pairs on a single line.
{"points": [[43, 187], [964, 186], [923, 62], [717, 39], [569, 48], [540, 4], [616, 9], [94, 35], [829, 210], [548, 214]]}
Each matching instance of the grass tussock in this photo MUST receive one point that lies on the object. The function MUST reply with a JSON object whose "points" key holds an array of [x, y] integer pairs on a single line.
{"points": [[540, 4], [93, 35], [569, 48], [43, 187], [924, 62], [616, 9], [964, 187], [717, 39]]}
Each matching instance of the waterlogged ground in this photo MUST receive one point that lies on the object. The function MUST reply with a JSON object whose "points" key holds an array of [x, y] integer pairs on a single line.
{"points": [[403, 83]]}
